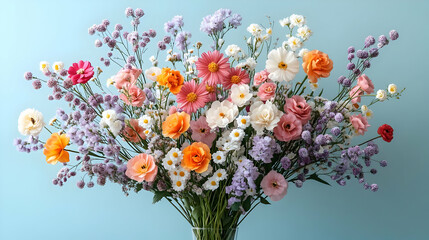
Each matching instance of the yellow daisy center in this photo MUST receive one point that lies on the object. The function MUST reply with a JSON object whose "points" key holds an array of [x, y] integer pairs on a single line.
{"points": [[236, 134], [242, 95], [219, 175], [218, 157], [44, 66], [222, 114], [191, 97], [213, 183], [56, 67], [146, 121], [282, 65], [213, 67], [178, 183], [182, 174], [235, 79], [169, 162], [243, 121], [175, 154]]}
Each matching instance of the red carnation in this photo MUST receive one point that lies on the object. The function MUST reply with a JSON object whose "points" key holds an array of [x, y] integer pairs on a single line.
{"points": [[386, 132], [81, 72]]}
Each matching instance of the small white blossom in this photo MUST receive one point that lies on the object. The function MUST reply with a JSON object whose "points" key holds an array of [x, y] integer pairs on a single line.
{"points": [[304, 32], [254, 29], [110, 81], [381, 95], [211, 184], [392, 88], [219, 157], [146, 121], [302, 52], [58, 66], [236, 135], [294, 43], [283, 22], [30, 122], [296, 20], [220, 175], [232, 51], [240, 94], [44, 66], [243, 121]]}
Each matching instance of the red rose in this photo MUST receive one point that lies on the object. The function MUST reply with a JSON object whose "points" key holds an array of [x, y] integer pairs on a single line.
{"points": [[386, 132]]}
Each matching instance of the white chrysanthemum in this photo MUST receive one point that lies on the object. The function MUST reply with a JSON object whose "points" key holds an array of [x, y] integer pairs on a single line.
{"points": [[146, 121], [44, 66], [110, 119], [208, 171], [240, 94], [152, 73], [304, 32], [364, 109], [110, 81], [220, 175], [392, 88], [30, 122], [211, 184], [381, 95], [302, 52], [218, 157], [250, 192], [264, 116], [254, 29], [368, 114], [232, 50], [236, 135], [250, 63], [169, 163], [243, 121], [221, 114], [109, 116], [58, 66], [296, 20], [282, 65], [294, 43], [175, 154], [284, 22], [179, 184]]}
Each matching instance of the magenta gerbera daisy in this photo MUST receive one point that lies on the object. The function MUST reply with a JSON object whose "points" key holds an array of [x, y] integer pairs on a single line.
{"points": [[213, 67], [81, 72], [192, 96], [235, 76]]}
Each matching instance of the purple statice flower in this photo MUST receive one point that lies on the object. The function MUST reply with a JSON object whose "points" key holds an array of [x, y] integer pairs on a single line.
{"points": [[101, 28], [161, 45], [351, 50], [336, 131], [298, 183], [98, 43], [340, 80], [69, 97], [339, 117], [383, 163], [285, 162], [370, 40], [366, 64], [172, 27], [303, 152], [135, 22], [106, 39], [51, 83], [374, 187], [373, 52], [129, 12], [125, 34], [166, 39], [306, 136], [382, 41], [139, 12], [182, 40], [235, 20], [215, 23], [264, 148], [350, 56], [357, 72], [37, 84], [118, 27], [393, 34], [347, 82], [350, 66], [362, 54], [28, 76]]}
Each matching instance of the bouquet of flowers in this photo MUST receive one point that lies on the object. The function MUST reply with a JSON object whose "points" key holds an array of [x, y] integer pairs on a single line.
{"points": [[205, 130]]}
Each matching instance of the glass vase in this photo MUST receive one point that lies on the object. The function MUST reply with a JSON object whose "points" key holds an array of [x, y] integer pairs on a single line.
{"points": [[214, 233]]}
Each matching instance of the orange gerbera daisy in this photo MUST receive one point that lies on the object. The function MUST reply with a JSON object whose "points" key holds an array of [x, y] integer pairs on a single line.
{"points": [[171, 79], [54, 148]]}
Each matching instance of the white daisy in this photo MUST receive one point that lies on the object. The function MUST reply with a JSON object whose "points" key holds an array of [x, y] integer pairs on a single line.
{"points": [[152, 73], [218, 157], [183, 173], [220, 175], [236, 135], [110, 81], [254, 29], [294, 43], [240, 159], [304, 32], [232, 51], [284, 22], [169, 163], [392, 88], [282, 65], [146, 121], [381, 95], [368, 114], [44, 66], [302, 52], [243, 121], [175, 154], [178, 184], [240, 94], [296, 20], [147, 132], [211, 184], [58, 66]]}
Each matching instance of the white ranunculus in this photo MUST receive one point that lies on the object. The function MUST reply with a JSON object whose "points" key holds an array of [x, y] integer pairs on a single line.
{"points": [[264, 116], [381, 95], [152, 73], [282, 65], [232, 50], [221, 114], [58, 66], [254, 29], [304, 32], [30, 122], [392, 88], [296, 20], [240, 94]]}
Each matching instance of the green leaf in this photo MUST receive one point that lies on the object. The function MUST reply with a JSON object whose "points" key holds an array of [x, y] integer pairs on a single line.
{"points": [[158, 196], [247, 204], [264, 201], [317, 178], [196, 212], [139, 187], [235, 207]]}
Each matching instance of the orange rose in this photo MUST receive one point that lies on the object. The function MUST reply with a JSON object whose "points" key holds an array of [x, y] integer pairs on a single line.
{"points": [[317, 65], [176, 124], [196, 157], [54, 149], [171, 79]]}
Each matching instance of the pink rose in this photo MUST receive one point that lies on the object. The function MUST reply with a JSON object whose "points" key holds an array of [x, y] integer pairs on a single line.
{"points": [[132, 95], [142, 167], [360, 124], [127, 76], [355, 94], [260, 77], [274, 185], [298, 107], [266, 91], [133, 131], [365, 84], [289, 128], [201, 132]]}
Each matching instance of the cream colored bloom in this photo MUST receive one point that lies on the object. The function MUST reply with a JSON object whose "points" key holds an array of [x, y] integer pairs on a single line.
{"points": [[264, 116], [294, 43], [368, 114], [44, 66], [392, 88], [254, 29], [30, 122], [302, 52], [232, 51], [364, 109], [110, 119], [240, 94], [304, 32], [296, 20], [211, 184], [221, 114], [283, 22], [58, 66], [243, 122], [381, 95], [110, 81], [282, 65], [152, 73]]}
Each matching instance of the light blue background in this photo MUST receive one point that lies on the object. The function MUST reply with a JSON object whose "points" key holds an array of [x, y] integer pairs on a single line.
{"points": [[32, 208]]}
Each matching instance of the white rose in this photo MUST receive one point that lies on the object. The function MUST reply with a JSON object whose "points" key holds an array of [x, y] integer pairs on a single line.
{"points": [[381, 95], [221, 114], [264, 116], [152, 73], [30, 122]]}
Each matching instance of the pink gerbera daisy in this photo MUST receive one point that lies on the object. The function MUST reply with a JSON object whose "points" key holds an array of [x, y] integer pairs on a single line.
{"points": [[212, 67], [81, 72], [235, 76], [192, 96]]}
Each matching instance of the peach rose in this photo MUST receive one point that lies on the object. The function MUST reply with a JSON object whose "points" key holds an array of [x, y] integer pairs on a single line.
{"points": [[171, 79], [365, 84], [360, 124], [317, 64], [298, 107], [196, 157], [176, 124], [133, 131], [289, 128], [355, 94], [55, 149], [132, 95], [125, 76], [142, 167], [266, 91]]}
